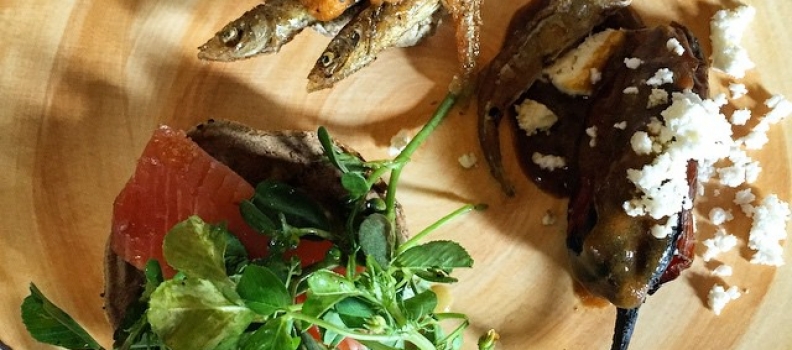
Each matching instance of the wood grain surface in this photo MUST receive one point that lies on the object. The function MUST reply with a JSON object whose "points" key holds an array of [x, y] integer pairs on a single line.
{"points": [[84, 83]]}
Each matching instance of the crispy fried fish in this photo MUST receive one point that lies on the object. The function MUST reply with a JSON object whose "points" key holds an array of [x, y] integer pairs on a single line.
{"points": [[264, 29], [375, 29]]}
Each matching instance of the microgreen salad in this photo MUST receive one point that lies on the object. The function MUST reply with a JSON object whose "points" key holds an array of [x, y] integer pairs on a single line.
{"points": [[370, 287]]}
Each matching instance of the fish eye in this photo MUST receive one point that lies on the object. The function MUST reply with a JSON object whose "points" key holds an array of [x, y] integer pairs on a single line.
{"points": [[230, 36], [355, 36], [327, 59]]}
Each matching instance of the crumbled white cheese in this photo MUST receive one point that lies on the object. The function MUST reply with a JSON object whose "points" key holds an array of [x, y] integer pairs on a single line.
{"points": [[399, 141], [578, 70], [694, 129], [467, 160], [595, 76], [657, 97], [737, 90], [718, 297], [663, 230], [592, 133], [767, 230], [662, 76], [718, 215], [723, 271], [675, 46], [620, 125], [721, 243], [740, 116], [720, 99], [548, 162], [780, 108], [534, 117], [641, 143], [726, 31], [633, 62], [744, 198], [742, 170], [632, 90], [549, 218]]}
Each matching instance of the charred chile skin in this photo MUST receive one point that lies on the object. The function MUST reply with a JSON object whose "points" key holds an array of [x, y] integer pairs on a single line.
{"points": [[612, 254]]}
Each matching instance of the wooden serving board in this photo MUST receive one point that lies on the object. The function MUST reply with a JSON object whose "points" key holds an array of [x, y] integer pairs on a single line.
{"points": [[84, 83]]}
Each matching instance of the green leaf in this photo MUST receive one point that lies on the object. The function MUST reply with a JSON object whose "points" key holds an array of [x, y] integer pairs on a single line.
{"points": [[329, 148], [299, 209], [153, 273], [354, 312], [262, 290], [49, 324], [273, 335], [355, 184], [235, 257], [194, 314], [254, 217], [197, 249], [326, 288], [374, 238], [436, 254], [435, 275], [420, 305]]}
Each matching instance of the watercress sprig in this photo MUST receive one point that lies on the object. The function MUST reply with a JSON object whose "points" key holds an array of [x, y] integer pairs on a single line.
{"points": [[370, 287]]}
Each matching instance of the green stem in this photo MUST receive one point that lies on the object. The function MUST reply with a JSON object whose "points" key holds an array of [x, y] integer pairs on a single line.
{"points": [[341, 331], [417, 238], [412, 146]]}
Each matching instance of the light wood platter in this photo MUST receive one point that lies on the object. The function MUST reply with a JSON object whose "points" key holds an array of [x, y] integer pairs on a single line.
{"points": [[84, 83]]}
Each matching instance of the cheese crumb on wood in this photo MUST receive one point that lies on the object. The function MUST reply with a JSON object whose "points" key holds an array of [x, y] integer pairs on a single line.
{"points": [[719, 296], [534, 117], [718, 215], [399, 141], [548, 162], [744, 198], [767, 230], [467, 160], [780, 108], [737, 90], [740, 116], [723, 271], [726, 31], [721, 243]]}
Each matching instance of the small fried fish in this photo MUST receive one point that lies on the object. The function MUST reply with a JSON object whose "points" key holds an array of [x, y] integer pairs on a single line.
{"points": [[264, 29], [375, 29], [467, 19]]}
